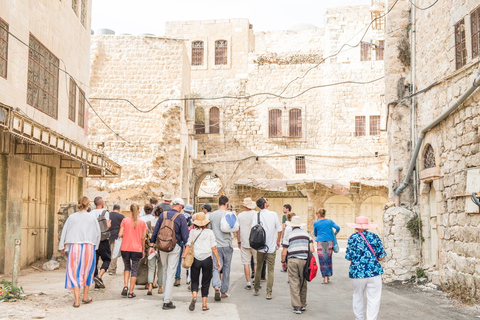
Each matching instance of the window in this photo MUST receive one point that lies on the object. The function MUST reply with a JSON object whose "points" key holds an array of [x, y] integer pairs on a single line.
{"points": [[359, 126], [3, 48], [199, 120], [42, 86], [380, 49], [429, 157], [83, 13], [295, 123], [365, 52], [460, 48], [72, 100], [197, 53], [81, 108], [475, 21], [374, 125], [300, 167], [75, 6], [214, 120], [220, 52], [274, 123], [378, 21]]}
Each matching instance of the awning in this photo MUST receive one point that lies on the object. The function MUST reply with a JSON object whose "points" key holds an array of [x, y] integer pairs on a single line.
{"points": [[28, 130]]}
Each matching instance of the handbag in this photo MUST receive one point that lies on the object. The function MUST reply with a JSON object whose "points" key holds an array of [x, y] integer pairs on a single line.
{"points": [[190, 256], [336, 248], [116, 248]]}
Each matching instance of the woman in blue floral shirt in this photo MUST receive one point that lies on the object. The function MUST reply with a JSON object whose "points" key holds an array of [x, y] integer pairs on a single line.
{"points": [[365, 250]]}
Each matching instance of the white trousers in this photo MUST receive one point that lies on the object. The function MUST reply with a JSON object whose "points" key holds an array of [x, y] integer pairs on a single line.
{"points": [[170, 263], [373, 289]]}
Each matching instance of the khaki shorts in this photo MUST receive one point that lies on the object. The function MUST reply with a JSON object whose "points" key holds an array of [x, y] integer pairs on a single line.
{"points": [[247, 254]]}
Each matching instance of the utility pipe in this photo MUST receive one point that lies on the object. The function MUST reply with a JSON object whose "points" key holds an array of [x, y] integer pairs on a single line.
{"points": [[430, 126], [413, 86]]}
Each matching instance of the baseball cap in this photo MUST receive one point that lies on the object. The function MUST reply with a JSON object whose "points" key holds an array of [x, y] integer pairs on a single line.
{"points": [[207, 206], [178, 201]]}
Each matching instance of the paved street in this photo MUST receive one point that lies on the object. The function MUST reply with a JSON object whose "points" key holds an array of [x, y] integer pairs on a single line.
{"points": [[332, 301]]}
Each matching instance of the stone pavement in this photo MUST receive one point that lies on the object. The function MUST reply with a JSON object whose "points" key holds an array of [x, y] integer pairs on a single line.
{"points": [[332, 301]]}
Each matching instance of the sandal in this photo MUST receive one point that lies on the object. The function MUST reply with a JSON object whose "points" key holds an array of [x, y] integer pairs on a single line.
{"points": [[90, 299], [76, 305], [192, 304], [205, 308], [149, 293], [131, 295], [125, 291]]}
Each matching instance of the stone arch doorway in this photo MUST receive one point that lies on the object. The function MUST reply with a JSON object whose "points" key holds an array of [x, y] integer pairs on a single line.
{"points": [[372, 208], [341, 210], [207, 190]]}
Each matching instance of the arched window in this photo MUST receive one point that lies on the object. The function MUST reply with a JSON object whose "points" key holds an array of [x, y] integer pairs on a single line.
{"points": [[220, 52], [197, 53], [295, 123], [429, 157], [199, 120], [214, 119], [275, 123]]}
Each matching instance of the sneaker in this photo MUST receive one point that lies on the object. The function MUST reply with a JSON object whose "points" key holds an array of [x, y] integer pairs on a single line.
{"points": [[253, 275], [248, 287], [269, 296], [224, 295], [217, 295], [177, 283], [283, 270], [98, 283], [168, 306], [255, 292], [191, 307], [303, 309], [297, 311]]}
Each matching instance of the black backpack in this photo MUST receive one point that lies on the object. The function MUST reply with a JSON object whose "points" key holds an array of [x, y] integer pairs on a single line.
{"points": [[257, 236]]}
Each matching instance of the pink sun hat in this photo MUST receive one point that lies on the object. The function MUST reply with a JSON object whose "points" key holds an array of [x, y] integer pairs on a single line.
{"points": [[361, 222]]}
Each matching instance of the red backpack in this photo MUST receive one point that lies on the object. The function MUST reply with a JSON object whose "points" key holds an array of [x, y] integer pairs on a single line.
{"points": [[311, 268]]}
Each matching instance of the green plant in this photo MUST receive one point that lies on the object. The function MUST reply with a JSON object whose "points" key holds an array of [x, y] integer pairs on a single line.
{"points": [[415, 227], [421, 273], [9, 292]]}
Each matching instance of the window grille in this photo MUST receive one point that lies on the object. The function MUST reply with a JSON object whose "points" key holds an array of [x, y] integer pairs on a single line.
{"points": [[359, 126], [42, 85], [300, 167], [475, 22], [365, 52], [429, 157], [378, 22], [374, 125], [197, 53], [460, 47], [83, 13], [295, 123], [380, 50], [214, 120], [220, 52], [3, 48], [81, 108], [199, 120], [72, 100], [274, 123], [75, 6]]}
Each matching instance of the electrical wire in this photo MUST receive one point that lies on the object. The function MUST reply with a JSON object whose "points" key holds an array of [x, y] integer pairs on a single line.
{"points": [[413, 4]]}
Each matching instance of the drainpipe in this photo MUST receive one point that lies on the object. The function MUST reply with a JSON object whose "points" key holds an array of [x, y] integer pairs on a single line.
{"points": [[413, 107], [431, 125]]}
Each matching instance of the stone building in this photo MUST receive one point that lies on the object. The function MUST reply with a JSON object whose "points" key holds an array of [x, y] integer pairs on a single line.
{"points": [[433, 133], [44, 57], [293, 115]]}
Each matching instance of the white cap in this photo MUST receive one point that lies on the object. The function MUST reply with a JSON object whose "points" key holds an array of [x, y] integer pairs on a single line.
{"points": [[178, 201]]}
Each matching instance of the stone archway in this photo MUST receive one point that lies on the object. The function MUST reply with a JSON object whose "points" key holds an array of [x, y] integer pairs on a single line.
{"points": [[372, 208], [341, 210], [207, 190]]}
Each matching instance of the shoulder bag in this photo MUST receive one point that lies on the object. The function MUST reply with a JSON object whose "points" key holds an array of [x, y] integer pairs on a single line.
{"points": [[369, 246], [336, 248], [190, 256]]}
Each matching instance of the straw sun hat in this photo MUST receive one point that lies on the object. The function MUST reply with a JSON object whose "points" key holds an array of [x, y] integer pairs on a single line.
{"points": [[200, 219]]}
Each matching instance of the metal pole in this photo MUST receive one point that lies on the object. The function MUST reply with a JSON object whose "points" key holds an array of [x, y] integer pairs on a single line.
{"points": [[16, 262]]}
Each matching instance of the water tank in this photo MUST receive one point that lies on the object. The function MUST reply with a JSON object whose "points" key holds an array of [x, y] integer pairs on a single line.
{"points": [[104, 32]]}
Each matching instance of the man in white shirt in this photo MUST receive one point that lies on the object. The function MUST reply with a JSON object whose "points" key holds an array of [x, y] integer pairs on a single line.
{"points": [[103, 251], [273, 229], [245, 219]]}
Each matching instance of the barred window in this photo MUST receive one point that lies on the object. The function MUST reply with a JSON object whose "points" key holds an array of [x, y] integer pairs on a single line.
{"points": [[300, 167], [81, 108], [274, 123], [197, 53], [295, 123], [75, 6], [199, 120], [42, 85], [378, 22], [380, 50], [429, 157], [365, 52], [3, 48], [214, 119], [72, 100], [83, 13], [475, 21], [359, 126], [220, 52], [460, 47], [374, 125]]}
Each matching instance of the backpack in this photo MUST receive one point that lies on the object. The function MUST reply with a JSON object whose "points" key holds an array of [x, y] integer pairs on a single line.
{"points": [[166, 239], [311, 268], [257, 237], [105, 234], [229, 222]]}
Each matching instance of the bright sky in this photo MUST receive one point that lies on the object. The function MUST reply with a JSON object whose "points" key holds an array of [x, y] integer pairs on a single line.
{"points": [[149, 16]]}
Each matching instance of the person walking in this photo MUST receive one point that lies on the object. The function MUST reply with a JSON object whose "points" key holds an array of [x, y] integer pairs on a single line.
{"points": [[167, 202], [153, 201], [187, 212], [204, 243], [297, 245], [80, 237], [103, 250], [170, 259], [225, 250], [285, 232], [115, 219], [323, 231], [272, 227], [365, 251], [132, 231], [154, 262], [245, 219]]}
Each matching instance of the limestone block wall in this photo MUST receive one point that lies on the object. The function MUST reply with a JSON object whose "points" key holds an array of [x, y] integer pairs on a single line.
{"points": [[151, 145]]}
